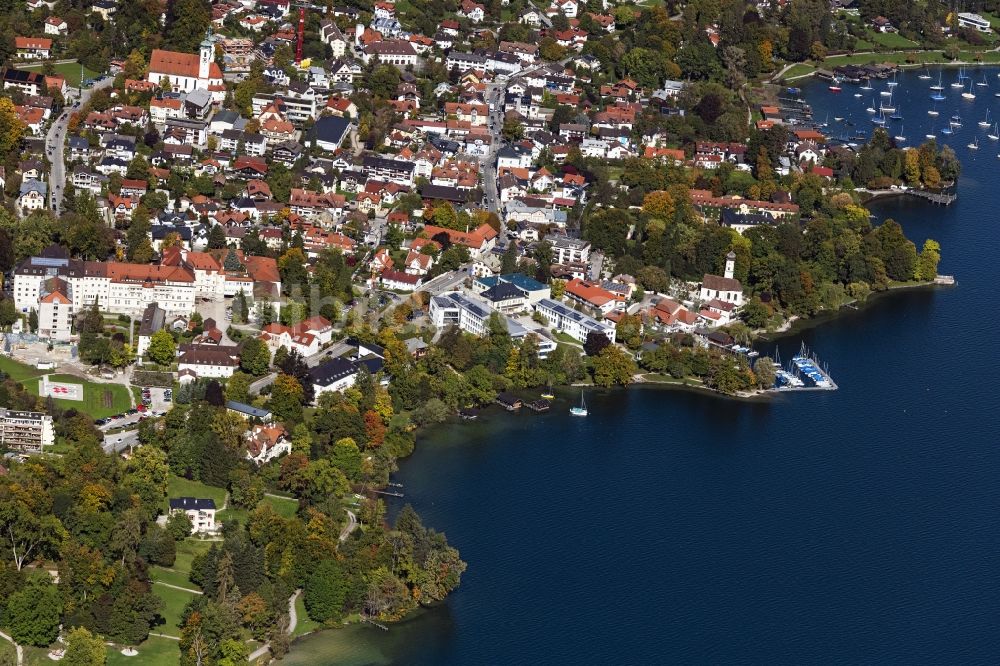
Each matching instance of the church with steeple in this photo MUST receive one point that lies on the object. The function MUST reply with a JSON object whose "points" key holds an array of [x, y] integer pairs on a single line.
{"points": [[725, 288], [184, 72]]}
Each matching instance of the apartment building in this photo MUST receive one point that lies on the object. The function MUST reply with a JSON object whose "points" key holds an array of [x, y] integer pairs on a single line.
{"points": [[27, 432]]}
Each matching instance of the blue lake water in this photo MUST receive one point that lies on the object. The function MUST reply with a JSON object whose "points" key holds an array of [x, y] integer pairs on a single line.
{"points": [[855, 526]]}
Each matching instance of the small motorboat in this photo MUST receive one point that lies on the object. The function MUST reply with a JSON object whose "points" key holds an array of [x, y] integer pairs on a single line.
{"points": [[835, 88]]}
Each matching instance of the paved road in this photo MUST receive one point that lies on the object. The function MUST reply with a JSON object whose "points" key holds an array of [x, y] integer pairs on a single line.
{"points": [[177, 587], [352, 524], [120, 441], [293, 621], [55, 141], [447, 281]]}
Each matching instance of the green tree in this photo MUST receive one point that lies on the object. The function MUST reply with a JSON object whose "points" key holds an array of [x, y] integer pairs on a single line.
{"points": [[326, 591], [187, 23], [84, 649], [162, 348], [255, 358], [763, 370], [238, 386], [34, 612], [613, 366], [927, 262], [286, 398]]}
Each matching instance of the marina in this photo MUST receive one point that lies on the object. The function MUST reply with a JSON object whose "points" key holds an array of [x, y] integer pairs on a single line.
{"points": [[804, 372]]}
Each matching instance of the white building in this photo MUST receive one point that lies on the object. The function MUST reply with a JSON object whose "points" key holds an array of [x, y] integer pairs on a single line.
{"points": [[567, 250], [574, 324], [724, 288], [55, 311], [970, 20], [184, 72], [209, 360], [265, 443], [28, 432], [201, 512]]}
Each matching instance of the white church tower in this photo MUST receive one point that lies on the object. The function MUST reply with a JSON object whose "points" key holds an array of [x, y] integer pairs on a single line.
{"points": [[730, 264], [207, 52]]}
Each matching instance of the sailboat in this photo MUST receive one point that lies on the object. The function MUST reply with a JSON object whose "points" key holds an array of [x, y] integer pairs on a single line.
{"points": [[581, 410], [871, 109], [986, 121], [888, 107], [548, 395], [925, 75], [994, 133], [968, 94], [900, 138], [933, 110], [974, 145], [931, 134], [867, 85], [983, 82], [893, 83], [947, 130], [938, 85], [880, 120], [960, 82], [962, 76]]}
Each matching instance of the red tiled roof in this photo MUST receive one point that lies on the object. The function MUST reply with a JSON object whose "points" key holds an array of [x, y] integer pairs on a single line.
{"points": [[179, 64]]}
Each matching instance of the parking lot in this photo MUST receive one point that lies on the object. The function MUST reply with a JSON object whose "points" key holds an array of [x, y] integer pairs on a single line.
{"points": [[155, 401]]}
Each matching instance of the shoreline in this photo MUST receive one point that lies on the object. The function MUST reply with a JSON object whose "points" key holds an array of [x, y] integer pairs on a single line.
{"points": [[795, 327]]}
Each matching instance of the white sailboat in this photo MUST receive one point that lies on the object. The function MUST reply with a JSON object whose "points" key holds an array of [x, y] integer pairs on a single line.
{"points": [[974, 145], [994, 133], [900, 138], [581, 410], [893, 83], [986, 121], [983, 82], [933, 110], [968, 94], [938, 85], [931, 134], [925, 75], [867, 85], [871, 109]]}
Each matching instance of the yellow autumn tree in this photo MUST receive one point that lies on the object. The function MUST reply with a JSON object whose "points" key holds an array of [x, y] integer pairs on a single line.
{"points": [[11, 127]]}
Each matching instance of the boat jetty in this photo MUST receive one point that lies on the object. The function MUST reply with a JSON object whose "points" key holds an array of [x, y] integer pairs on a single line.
{"points": [[804, 372]]}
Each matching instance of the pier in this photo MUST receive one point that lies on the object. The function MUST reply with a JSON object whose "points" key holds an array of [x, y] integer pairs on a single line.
{"points": [[944, 279], [374, 623], [391, 493], [816, 376], [939, 198]]}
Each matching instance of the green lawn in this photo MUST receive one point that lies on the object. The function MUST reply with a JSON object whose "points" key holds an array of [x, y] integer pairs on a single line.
{"points": [[304, 625], [8, 655], [799, 69], [180, 487], [70, 71], [155, 651], [93, 393], [170, 577], [286, 508], [893, 40], [174, 602]]}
